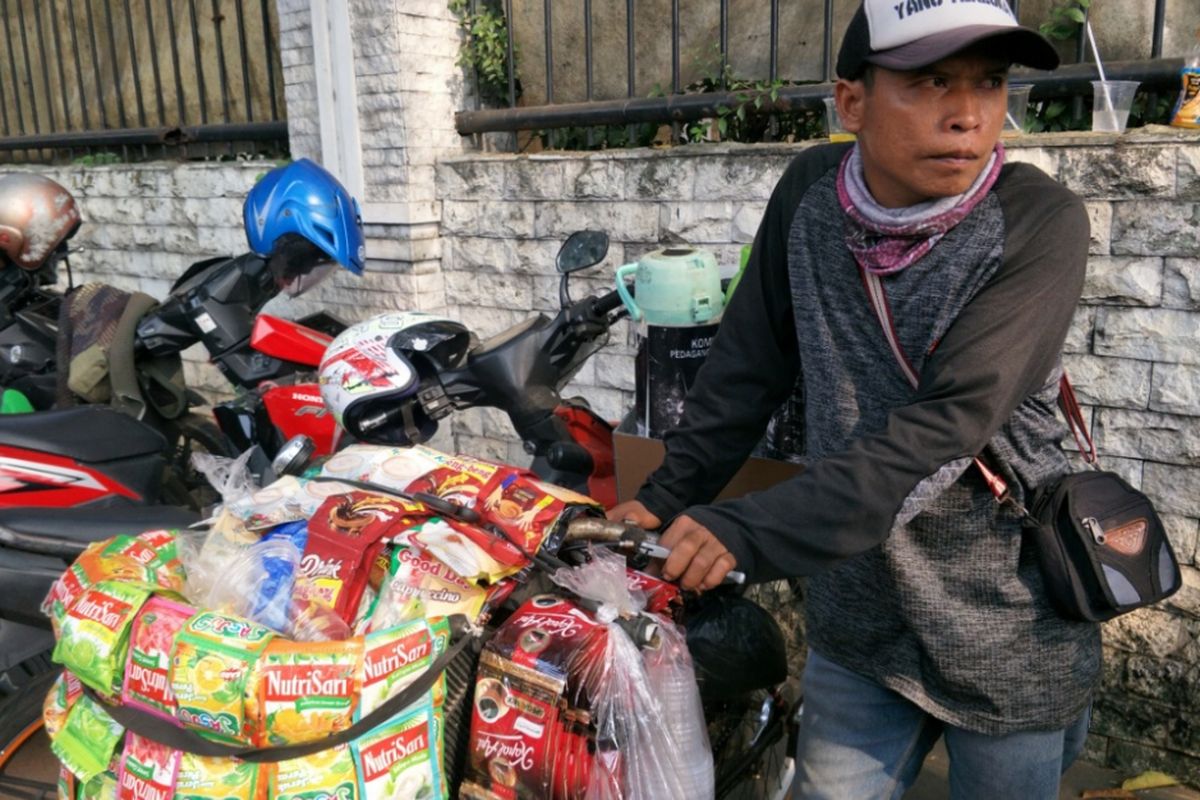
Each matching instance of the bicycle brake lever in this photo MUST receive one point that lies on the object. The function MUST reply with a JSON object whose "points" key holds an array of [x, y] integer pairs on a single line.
{"points": [[658, 551]]}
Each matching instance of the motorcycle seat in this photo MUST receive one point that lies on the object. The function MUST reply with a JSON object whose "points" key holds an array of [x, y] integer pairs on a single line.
{"points": [[65, 532], [87, 433]]}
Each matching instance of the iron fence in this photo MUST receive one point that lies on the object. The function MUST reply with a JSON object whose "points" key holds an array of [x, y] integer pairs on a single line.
{"points": [[136, 79], [525, 110]]}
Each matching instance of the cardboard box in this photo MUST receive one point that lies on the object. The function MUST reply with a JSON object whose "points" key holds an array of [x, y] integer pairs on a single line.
{"points": [[638, 456]]}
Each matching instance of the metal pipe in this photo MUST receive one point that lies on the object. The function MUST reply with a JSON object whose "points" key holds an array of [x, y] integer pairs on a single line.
{"points": [[28, 68], [41, 45], [62, 73], [1071, 79], [774, 73], [630, 65], [549, 28], [96, 64], [199, 62], [4, 106], [676, 88], [12, 63], [135, 65], [112, 50], [169, 136], [269, 43], [222, 71], [512, 77], [1160, 21], [78, 69], [724, 43], [241, 30], [827, 46], [158, 92], [587, 44], [180, 106]]}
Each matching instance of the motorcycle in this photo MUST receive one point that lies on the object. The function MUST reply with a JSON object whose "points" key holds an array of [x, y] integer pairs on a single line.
{"points": [[90, 455], [520, 371], [37, 219]]}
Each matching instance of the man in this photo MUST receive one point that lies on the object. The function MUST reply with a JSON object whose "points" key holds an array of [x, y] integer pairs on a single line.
{"points": [[922, 289]]}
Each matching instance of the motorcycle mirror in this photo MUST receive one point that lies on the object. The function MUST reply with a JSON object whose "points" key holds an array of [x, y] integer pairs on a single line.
{"points": [[581, 250]]}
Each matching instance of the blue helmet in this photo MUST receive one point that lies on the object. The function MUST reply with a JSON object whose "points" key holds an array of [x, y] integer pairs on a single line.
{"points": [[299, 217]]}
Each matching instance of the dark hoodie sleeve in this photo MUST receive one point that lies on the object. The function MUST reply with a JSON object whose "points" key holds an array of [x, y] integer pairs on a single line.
{"points": [[1000, 349], [751, 366]]}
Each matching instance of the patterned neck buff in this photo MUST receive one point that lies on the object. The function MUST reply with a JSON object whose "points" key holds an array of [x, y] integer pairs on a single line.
{"points": [[886, 240]]}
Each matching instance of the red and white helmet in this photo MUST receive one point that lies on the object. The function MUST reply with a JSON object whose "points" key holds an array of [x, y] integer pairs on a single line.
{"points": [[36, 216], [371, 372]]}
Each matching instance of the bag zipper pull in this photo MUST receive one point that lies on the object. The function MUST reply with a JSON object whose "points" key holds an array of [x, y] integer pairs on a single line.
{"points": [[1093, 527]]}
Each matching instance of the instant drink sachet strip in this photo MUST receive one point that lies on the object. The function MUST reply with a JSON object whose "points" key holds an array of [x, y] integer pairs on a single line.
{"points": [[308, 690], [148, 770], [344, 536], [59, 701], [213, 664], [396, 657], [327, 773], [401, 758], [201, 778], [95, 633], [90, 568], [416, 575], [147, 683], [86, 743]]}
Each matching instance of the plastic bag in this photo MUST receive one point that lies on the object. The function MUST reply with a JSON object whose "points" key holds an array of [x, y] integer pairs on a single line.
{"points": [[229, 476], [257, 582], [736, 645], [650, 729]]}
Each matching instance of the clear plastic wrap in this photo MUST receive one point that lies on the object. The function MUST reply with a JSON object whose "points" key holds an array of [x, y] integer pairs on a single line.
{"points": [[229, 476], [256, 582], [650, 728]]}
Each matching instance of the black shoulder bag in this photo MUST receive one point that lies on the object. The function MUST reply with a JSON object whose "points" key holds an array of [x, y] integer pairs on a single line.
{"points": [[1101, 547]]}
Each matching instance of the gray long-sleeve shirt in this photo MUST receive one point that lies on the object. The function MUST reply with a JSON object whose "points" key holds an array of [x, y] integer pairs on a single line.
{"points": [[920, 580]]}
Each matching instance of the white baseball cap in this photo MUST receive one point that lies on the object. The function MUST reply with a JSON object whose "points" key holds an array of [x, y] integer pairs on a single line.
{"points": [[909, 34]]}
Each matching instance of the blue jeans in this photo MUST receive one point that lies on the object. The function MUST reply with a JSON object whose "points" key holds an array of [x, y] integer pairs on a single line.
{"points": [[860, 741]]}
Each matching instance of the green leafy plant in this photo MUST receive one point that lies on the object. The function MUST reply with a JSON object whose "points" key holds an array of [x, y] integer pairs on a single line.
{"points": [[96, 159], [1065, 19], [485, 48]]}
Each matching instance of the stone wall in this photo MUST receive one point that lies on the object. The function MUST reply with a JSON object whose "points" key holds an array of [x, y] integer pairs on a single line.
{"points": [[1132, 351], [144, 224]]}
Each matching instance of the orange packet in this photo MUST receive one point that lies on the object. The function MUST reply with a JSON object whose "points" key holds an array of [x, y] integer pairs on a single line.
{"points": [[308, 690], [213, 671]]}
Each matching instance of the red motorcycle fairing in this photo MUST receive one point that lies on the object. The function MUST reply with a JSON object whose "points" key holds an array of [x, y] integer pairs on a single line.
{"points": [[289, 341], [596, 436], [33, 478], [298, 408]]}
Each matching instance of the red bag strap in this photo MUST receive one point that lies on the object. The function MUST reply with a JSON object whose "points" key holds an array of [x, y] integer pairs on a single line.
{"points": [[1066, 394], [1069, 404]]}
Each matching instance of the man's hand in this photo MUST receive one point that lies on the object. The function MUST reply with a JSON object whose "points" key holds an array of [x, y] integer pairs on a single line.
{"points": [[697, 557], [635, 512]]}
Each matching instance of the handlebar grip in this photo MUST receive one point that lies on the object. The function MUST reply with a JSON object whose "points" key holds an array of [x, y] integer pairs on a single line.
{"points": [[606, 303]]}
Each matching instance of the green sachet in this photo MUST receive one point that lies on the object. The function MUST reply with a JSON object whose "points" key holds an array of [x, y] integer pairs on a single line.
{"points": [[95, 633], [88, 740]]}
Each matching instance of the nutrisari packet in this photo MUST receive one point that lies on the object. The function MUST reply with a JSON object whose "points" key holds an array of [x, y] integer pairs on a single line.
{"points": [[308, 690], [396, 657], [148, 770], [95, 633], [147, 682]]}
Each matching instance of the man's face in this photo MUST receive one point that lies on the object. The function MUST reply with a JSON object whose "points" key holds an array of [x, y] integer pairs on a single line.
{"points": [[928, 133]]}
